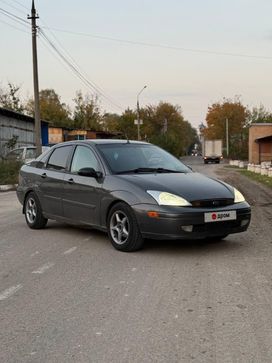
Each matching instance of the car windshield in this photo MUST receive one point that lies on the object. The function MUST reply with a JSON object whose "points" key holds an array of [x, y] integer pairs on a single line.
{"points": [[125, 158]]}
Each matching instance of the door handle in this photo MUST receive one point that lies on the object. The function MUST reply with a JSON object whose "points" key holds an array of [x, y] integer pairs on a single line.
{"points": [[71, 181], [44, 175]]}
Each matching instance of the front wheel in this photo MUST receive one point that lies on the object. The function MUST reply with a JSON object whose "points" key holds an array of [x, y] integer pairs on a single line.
{"points": [[123, 229], [33, 212]]}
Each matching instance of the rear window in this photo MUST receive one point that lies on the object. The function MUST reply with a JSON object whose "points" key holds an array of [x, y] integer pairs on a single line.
{"points": [[59, 158]]}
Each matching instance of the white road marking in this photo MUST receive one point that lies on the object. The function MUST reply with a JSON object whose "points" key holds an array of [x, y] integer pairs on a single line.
{"points": [[34, 254], [71, 250], [9, 292], [43, 268]]}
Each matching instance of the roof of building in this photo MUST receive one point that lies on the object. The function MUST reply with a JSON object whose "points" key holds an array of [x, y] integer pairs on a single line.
{"points": [[261, 124], [264, 138], [17, 115]]}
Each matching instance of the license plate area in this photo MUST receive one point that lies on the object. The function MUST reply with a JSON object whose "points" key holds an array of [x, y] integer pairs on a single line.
{"points": [[220, 216]]}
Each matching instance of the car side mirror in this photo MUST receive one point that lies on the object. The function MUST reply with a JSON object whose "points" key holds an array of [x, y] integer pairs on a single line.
{"points": [[90, 172]]}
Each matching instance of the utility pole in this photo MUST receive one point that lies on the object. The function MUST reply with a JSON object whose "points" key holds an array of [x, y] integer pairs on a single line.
{"points": [[138, 113], [33, 18], [227, 136]]}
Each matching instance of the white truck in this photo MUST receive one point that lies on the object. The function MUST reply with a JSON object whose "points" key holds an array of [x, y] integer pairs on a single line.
{"points": [[212, 151]]}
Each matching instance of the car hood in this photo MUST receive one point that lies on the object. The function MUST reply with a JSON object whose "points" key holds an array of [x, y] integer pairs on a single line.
{"points": [[191, 186]]}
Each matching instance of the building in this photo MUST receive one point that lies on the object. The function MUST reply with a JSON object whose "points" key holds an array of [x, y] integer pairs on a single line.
{"points": [[60, 134], [260, 142], [15, 124]]}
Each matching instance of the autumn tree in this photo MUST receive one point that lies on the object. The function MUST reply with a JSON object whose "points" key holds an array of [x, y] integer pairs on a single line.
{"points": [[51, 108], [164, 125], [87, 113], [235, 114], [10, 98]]}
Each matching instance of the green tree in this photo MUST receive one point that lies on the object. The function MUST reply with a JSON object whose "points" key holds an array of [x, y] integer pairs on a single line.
{"points": [[87, 113], [235, 114], [51, 108], [164, 125], [110, 122], [10, 98], [259, 115]]}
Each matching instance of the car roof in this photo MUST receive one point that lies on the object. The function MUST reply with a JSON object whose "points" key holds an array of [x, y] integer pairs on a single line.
{"points": [[102, 142]]}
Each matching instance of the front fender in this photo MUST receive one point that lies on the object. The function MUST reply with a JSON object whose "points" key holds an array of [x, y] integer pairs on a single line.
{"points": [[114, 197]]}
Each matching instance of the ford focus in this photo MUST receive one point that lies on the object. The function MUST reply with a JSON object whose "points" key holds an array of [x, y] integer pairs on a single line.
{"points": [[131, 190]]}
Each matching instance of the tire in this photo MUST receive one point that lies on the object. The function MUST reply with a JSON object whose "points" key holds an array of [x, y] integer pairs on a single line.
{"points": [[123, 229], [205, 162], [33, 212]]}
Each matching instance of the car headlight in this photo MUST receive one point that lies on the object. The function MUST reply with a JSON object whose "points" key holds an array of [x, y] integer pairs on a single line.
{"points": [[164, 198], [238, 196]]}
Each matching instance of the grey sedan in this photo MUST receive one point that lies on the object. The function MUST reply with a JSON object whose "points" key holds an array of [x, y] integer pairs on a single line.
{"points": [[133, 190]]}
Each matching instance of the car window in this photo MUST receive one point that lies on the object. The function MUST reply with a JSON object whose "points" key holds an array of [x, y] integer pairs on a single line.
{"points": [[30, 154], [84, 158], [59, 157]]}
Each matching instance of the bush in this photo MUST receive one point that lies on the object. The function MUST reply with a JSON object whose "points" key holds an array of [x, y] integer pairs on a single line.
{"points": [[9, 172]]}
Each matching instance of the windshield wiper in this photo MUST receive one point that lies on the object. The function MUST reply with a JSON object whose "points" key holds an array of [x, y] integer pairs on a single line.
{"points": [[148, 170]]}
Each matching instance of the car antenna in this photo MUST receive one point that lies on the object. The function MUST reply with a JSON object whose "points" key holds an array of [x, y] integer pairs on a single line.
{"points": [[128, 142]]}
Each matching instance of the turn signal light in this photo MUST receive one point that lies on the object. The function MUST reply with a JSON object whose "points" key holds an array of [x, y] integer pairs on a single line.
{"points": [[153, 214]]}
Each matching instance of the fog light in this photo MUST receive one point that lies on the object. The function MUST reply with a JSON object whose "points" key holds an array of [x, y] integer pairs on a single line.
{"points": [[244, 222], [187, 228]]}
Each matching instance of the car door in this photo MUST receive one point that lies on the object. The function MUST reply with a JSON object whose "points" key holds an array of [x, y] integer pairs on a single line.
{"points": [[51, 181], [82, 194]]}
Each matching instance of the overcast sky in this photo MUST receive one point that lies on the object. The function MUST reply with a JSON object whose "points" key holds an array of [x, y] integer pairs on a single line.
{"points": [[191, 79]]}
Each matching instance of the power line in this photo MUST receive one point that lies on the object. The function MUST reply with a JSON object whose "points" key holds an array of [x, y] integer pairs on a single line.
{"points": [[163, 46], [75, 63], [14, 17], [23, 6], [14, 27], [13, 7], [74, 69]]}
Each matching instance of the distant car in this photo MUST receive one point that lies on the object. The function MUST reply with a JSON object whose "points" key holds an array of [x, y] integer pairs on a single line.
{"points": [[133, 190], [24, 153]]}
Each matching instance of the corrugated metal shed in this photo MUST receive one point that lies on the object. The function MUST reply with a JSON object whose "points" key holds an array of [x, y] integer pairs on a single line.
{"points": [[16, 124]]}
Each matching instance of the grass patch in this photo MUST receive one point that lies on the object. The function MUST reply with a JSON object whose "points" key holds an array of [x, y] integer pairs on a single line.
{"points": [[231, 167], [266, 180], [9, 172]]}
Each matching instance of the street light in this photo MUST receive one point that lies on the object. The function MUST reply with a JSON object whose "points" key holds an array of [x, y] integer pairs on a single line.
{"points": [[138, 112]]}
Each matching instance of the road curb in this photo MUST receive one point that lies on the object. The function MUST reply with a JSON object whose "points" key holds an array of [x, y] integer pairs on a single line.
{"points": [[8, 187]]}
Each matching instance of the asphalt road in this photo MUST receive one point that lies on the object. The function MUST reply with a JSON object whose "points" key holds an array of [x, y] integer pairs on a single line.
{"points": [[67, 296]]}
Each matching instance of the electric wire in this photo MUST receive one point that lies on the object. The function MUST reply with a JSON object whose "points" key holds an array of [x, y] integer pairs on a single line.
{"points": [[87, 83], [71, 63], [18, 2], [13, 7], [84, 74], [13, 16], [163, 46], [14, 27]]}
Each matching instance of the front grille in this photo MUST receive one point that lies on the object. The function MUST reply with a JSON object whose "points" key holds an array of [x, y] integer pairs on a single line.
{"points": [[212, 203], [216, 226]]}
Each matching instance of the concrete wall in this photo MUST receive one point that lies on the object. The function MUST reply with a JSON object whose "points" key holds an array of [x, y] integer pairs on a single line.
{"points": [[259, 152]]}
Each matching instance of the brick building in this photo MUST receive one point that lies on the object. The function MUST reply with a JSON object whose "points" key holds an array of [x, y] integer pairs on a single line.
{"points": [[260, 142]]}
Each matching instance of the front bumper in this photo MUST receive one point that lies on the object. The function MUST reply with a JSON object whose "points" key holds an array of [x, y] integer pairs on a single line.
{"points": [[171, 220]]}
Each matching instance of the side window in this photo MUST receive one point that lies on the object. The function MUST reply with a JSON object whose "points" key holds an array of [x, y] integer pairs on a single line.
{"points": [[84, 158], [30, 154], [58, 158]]}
